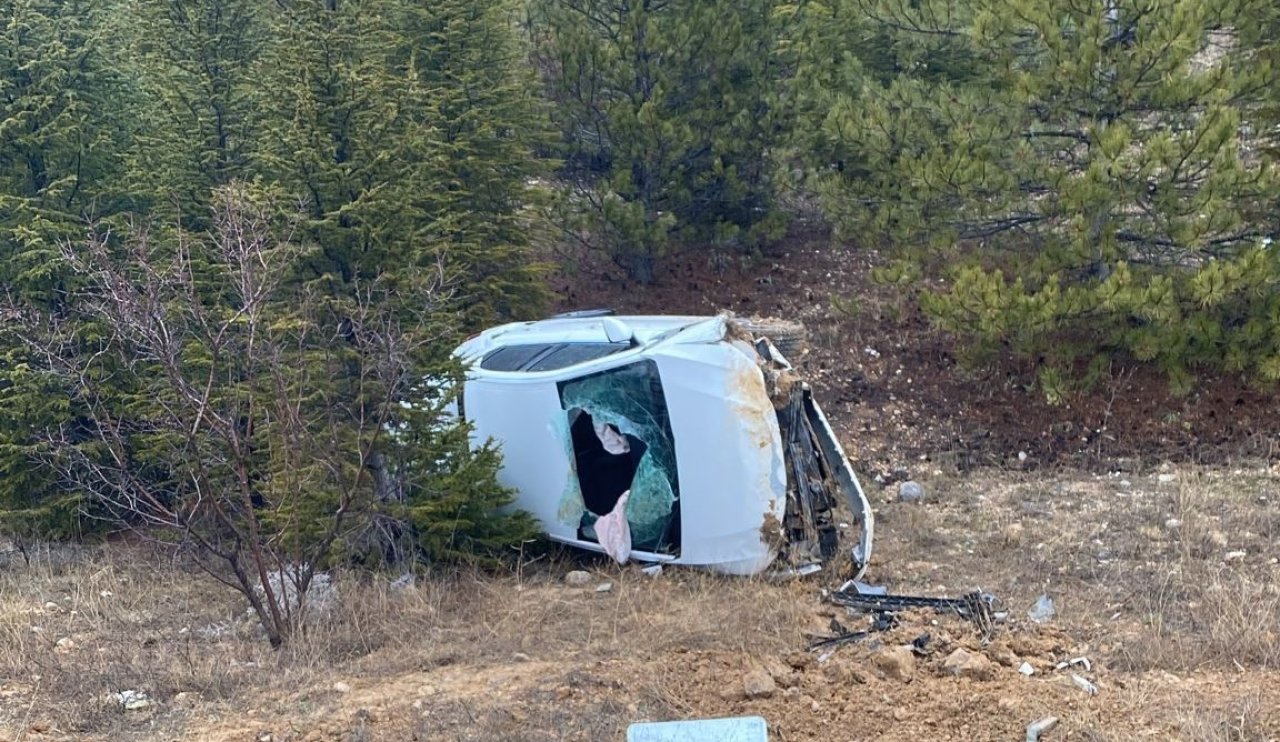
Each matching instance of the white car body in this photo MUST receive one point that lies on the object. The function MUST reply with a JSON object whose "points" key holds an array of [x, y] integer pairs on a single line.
{"points": [[697, 388]]}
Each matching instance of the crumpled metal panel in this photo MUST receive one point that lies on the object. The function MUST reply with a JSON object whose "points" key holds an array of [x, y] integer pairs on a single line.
{"points": [[729, 453]]}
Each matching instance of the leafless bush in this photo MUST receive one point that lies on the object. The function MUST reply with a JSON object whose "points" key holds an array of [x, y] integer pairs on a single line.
{"points": [[228, 403]]}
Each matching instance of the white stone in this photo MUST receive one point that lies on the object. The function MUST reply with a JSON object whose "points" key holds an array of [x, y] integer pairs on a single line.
{"points": [[133, 700], [910, 492]]}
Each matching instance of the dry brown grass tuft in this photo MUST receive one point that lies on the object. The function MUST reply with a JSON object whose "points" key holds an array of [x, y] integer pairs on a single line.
{"points": [[79, 625], [1247, 719]]}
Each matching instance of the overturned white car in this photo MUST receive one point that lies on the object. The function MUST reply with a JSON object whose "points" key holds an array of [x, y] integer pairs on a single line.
{"points": [[684, 440]]}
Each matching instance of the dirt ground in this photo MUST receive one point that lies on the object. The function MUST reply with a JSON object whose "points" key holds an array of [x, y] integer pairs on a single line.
{"points": [[1164, 582], [1152, 522]]}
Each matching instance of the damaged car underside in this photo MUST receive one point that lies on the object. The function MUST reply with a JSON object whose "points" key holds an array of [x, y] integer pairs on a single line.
{"points": [[683, 440]]}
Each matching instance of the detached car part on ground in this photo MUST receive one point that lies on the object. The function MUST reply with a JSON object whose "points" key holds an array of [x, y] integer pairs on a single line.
{"points": [[694, 429]]}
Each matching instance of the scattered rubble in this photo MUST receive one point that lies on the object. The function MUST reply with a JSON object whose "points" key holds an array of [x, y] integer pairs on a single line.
{"points": [[320, 596], [898, 662]]}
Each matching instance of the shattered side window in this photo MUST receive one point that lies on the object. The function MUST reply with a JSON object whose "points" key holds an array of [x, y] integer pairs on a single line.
{"points": [[638, 455]]}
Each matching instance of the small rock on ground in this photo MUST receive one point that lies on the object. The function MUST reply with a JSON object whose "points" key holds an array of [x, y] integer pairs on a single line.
{"points": [[898, 662], [965, 664], [758, 683], [910, 491], [1000, 652]]}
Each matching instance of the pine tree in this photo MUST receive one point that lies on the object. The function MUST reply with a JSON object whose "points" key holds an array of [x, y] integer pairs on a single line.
{"points": [[1099, 144], [471, 123], [665, 116], [195, 65], [409, 129], [61, 135]]}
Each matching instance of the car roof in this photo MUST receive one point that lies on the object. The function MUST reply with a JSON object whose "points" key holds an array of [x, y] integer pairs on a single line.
{"points": [[645, 329]]}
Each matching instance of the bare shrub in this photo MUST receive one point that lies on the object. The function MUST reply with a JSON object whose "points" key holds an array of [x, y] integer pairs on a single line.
{"points": [[226, 405]]}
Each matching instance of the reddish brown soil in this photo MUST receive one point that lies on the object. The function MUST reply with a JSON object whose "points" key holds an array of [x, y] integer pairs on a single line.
{"points": [[892, 383]]}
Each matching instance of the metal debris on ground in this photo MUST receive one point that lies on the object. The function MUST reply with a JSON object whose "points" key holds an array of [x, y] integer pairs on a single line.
{"points": [[1082, 661], [1084, 685], [977, 606], [840, 635], [1039, 727]]}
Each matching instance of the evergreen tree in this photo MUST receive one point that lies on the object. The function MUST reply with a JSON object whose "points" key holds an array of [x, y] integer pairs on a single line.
{"points": [[195, 65], [665, 116], [61, 135], [409, 128], [1098, 143]]}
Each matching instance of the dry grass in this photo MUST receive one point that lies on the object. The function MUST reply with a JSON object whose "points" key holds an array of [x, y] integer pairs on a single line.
{"points": [[1142, 576], [1176, 569], [1244, 720], [136, 621]]}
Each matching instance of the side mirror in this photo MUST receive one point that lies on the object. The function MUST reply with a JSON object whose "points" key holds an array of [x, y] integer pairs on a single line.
{"points": [[618, 331]]}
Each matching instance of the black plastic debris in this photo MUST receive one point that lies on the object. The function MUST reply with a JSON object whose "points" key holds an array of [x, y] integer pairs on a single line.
{"points": [[977, 607]]}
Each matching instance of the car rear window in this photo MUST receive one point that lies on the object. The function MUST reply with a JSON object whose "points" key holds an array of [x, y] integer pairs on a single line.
{"points": [[547, 356]]}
